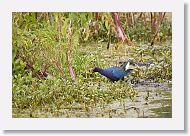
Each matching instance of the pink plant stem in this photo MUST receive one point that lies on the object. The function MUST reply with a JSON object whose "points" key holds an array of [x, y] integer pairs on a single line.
{"points": [[119, 29], [71, 71]]}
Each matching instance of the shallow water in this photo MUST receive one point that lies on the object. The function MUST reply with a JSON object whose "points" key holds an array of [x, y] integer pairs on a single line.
{"points": [[151, 102]]}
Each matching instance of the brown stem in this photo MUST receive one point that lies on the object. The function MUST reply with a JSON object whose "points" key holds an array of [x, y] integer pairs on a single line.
{"points": [[60, 69], [157, 26]]}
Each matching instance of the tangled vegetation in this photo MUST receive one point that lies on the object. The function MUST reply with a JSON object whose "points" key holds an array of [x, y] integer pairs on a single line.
{"points": [[53, 55]]}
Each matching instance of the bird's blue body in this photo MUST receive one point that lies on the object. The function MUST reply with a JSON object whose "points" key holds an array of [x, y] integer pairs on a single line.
{"points": [[113, 73]]}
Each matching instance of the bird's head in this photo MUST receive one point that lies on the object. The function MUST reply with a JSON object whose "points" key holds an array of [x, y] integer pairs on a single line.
{"points": [[94, 70]]}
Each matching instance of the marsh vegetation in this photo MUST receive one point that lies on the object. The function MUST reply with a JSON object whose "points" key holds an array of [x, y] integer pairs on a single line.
{"points": [[53, 55]]}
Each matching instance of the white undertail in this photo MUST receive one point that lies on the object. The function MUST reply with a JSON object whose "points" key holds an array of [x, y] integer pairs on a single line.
{"points": [[127, 66]]}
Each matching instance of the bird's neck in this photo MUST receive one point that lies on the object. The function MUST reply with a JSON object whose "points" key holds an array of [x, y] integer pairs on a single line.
{"points": [[99, 70]]}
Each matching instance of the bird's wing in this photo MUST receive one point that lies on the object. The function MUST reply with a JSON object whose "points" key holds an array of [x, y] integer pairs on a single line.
{"points": [[119, 73], [112, 72], [116, 72]]}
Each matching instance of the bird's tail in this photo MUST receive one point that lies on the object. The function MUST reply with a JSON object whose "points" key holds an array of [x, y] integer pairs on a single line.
{"points": [[128, 71]]}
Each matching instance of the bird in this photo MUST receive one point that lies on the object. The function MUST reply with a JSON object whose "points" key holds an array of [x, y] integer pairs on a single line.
{"points": [[114, 73]]}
